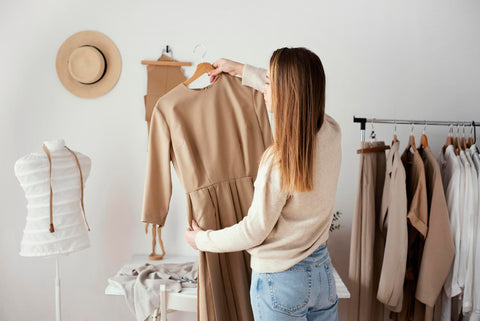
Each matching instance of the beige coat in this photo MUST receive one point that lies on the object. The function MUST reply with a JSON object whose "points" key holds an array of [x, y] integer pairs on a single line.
{"points": [[439, 249], [393, 225], [417, 231]]}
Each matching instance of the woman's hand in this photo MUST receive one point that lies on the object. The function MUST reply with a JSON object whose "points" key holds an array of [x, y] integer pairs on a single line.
{"points": [[191, 233], [224, 65]]}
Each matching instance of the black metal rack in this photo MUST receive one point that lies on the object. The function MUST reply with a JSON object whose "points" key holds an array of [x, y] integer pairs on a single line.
{"points": [[363, 121]]}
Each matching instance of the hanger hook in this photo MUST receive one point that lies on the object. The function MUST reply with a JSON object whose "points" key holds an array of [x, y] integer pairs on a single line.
{"points": [[425, 128], [168, 50], [200, 45], [411, 130], [372, 134], [463, 130], [395, 127]]}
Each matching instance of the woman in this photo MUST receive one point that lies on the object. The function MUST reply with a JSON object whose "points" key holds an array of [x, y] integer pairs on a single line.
{"points": [[287, 225]]}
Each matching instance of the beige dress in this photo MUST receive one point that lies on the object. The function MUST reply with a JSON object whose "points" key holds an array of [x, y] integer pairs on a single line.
{"points": [[214, 137]]}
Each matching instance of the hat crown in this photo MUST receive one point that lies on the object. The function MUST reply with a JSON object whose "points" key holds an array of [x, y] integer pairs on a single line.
{"points": [[86, 64]]}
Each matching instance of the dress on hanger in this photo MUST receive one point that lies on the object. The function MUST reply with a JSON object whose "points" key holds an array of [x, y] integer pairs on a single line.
{"points": [[214, 137]]}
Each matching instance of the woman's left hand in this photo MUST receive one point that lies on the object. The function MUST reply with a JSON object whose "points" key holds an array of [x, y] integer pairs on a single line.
{"points": [[190, 234]]}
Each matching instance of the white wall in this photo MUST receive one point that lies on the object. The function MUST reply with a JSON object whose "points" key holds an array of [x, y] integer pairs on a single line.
{"points": [[403, 59]]}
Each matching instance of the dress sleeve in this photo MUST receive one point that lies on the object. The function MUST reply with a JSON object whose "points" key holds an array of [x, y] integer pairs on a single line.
{"points": [[268, 202], [254, 77], [158, 183]]}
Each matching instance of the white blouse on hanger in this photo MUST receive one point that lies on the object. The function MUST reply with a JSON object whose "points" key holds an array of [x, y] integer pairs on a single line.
{"points": [[470, 214], [475, 315], [451, 169]]}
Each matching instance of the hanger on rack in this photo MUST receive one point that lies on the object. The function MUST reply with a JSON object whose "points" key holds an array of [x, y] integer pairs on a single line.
{"points": [[202, 68], [458, 143], [423, 139], [459, 139], [165, 62], [464, 138], [411, 142], [395, 139], [449, 141], [470, 140], [375, 149]]}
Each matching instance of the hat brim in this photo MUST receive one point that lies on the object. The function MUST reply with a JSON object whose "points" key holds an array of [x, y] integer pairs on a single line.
{"points": [[113, 62]]}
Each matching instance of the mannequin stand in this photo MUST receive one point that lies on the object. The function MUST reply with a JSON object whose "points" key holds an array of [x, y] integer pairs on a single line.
{"points": [[57, 291]]}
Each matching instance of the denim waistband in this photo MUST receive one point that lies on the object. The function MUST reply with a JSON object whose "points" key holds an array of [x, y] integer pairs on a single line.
{"points": [[317, 257]]}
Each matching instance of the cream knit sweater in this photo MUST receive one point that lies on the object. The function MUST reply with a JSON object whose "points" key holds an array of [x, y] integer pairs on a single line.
{"points": [[280, 230]]}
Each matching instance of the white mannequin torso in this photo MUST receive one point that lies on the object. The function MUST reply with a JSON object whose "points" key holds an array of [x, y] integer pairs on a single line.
{"points": [[33, 173]]}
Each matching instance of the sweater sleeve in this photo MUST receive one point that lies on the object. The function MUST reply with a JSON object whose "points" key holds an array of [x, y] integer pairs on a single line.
{"points": [[267, 204], [254, 77], [158, 183]]}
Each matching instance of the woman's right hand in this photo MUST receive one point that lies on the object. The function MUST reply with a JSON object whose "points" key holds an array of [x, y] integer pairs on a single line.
{"points": [[224, 65]]}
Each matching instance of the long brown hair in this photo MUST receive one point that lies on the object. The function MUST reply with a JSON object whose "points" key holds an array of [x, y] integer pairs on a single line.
{"points": [[298, 102]]}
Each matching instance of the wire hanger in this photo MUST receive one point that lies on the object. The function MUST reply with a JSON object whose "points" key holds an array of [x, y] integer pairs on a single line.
{"points": [[395, 139], [373, 135], [165, 62], [202, 68]]}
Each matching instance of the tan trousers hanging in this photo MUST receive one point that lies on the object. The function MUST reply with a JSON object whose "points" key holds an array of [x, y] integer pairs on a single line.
{"points": [[366, 247]]}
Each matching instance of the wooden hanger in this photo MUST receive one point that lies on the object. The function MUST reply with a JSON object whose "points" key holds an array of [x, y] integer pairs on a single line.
{"points": [[375, 148], [202, 68], [411, 142], [469, 140], [457, 142], [449, 141], [423, 139], [464, 139], [163, 62], [471, 137]]}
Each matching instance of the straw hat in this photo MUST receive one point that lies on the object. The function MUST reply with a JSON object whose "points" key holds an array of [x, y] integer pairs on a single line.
{"points": [[88, 64]]}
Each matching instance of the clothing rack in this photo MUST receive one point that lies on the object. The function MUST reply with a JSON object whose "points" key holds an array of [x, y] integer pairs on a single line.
{"points": [[363, 121]]}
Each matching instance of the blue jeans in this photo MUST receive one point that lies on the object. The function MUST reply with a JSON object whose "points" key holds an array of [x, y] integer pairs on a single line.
{"points": [[306, 291]]}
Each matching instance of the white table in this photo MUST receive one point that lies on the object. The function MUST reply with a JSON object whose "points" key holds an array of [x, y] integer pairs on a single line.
{"points": [[186, 300]]}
